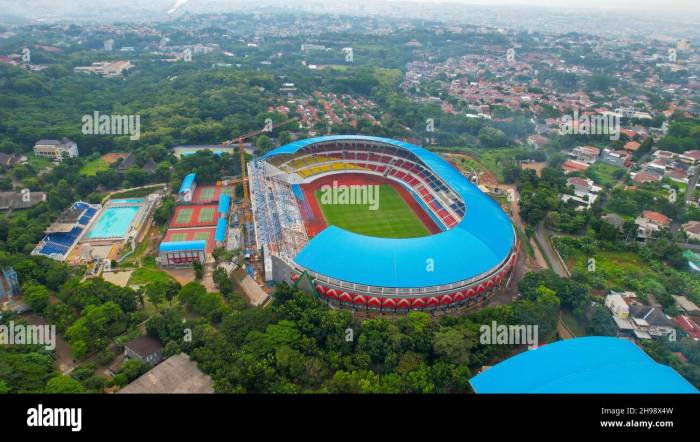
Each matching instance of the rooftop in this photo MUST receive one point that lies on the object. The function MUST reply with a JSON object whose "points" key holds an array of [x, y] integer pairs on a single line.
{"points": [[177, 374], [591, 365], [144, 345], [187, 182], [658, 218]]}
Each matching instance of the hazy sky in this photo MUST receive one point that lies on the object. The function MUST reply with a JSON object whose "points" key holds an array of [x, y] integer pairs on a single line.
{"points": [[70, 7], [572, 4], [661, 5]]}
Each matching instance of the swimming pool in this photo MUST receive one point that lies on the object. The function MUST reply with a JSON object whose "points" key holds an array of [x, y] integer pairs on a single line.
{"points": [[128, 201], [114, 222]]}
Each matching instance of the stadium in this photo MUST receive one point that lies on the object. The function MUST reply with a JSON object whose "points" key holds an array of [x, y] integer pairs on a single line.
{"points": [[433, 241]]}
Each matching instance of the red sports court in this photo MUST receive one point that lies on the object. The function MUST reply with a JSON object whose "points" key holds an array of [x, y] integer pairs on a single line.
{"points": [[194, 216], [196, 234], [208, 194]]}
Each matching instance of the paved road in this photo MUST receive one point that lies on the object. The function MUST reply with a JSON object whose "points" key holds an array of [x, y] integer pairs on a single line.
{"points": [[63, 353], [563, 330], [691, 186], [543, 239]]}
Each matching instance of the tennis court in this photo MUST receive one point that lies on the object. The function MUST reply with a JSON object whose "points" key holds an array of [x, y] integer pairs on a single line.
{"points": [[202, 236], [194, 216], [206, 194], [184, 215], [206, 215], [175, 237], [194, 234]]}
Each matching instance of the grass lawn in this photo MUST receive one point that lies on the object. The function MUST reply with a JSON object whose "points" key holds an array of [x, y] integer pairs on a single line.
{"points": [[138, 253], [148, 273], [38, 162], [604, 174], [92, 168], [618, 266], [137, 192], [488, 159], [393, 218], [611, 269]]}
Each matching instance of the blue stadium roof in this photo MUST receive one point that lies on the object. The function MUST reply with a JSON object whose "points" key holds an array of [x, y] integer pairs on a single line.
{"points": [[479, 243], [224, 204], [220, 234], [181, 246], [187, 182], [582, 365]]}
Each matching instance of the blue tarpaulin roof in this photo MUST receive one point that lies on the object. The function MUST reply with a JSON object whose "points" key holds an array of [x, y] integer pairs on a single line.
{"points": [[187, 182], [220, 234], [180, 246], [583, 365], [224, 204], [479, 243]]}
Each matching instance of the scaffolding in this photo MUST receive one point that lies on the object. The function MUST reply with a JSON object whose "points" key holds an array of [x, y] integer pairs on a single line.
{"points": [[278, 223], [9, 286]]}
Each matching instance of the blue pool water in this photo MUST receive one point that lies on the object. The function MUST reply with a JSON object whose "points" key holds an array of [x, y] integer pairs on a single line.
{"points": [[113, 223]]}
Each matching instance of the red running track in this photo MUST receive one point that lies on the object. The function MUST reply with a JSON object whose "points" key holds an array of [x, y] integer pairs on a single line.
{"points": [[318, 223]]}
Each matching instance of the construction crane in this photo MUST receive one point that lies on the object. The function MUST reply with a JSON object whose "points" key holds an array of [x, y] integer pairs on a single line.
{"points": [[241, 139]]}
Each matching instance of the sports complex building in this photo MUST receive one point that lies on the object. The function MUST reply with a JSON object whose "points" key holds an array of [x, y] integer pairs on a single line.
{"points": [[95, 232], [434, 241], [200, 223]]}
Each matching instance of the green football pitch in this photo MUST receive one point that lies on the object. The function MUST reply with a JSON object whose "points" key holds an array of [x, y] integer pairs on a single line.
{"points": [[392, 219]]}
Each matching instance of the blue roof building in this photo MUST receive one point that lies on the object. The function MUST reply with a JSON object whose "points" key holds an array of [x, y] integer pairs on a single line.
{"points": [[596, 365], [187, 183], [224, 204], [220, 234], [181, 246]]}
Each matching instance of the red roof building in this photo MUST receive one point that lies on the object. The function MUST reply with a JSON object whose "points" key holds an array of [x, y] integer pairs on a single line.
{"points": [[657, 218], [632, 146], [689, 326]]}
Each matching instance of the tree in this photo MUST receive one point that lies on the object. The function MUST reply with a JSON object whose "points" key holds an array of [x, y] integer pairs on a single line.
{"points": [[601, 323], [453, 344], [159, 291], [198, 270], [36, 295], [133, 368], [263, 143], [165, 211], [223, 281], [190, 292], [94, 328], [64, 384], [97, 291], [283, 138], [154, 294], [24, 369], [61, 315]]}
